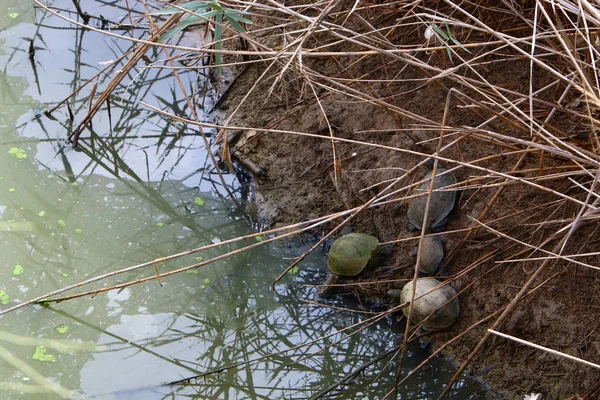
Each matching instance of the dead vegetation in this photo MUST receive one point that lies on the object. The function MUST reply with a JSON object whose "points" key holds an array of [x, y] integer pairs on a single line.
{"points": [[341, 103]]}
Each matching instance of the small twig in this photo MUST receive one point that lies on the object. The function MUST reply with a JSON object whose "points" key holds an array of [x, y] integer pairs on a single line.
{"points": [[546, 349]]}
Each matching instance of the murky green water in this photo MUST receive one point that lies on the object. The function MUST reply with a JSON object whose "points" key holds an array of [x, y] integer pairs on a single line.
{"points": [[138, 189]]}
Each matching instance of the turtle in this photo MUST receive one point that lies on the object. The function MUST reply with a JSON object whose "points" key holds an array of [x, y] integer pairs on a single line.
{"points": [[440, 206], [432, 253], [437, 310], [351, 253]]}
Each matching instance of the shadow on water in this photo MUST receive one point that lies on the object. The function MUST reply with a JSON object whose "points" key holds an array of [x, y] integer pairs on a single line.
{"points": [[141, 187]]}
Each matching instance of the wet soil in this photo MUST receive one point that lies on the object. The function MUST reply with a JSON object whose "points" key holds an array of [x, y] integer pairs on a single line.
{"points": [[304, 177]]}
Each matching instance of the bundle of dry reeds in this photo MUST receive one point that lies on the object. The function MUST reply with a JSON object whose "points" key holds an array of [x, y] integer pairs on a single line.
{"points": [[505, 94]]}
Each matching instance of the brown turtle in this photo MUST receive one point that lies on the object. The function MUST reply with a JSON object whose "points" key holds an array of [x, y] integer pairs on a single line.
{"points": [[438, 309], [432, 253], [440, 206]]}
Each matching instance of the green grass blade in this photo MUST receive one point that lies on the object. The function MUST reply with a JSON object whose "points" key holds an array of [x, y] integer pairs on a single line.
{"points": [[236, 25], [236, 16], [439, 32], [169, 34], [194, 6]]}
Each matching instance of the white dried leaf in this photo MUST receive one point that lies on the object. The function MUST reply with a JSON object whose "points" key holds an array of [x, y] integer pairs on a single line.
{"points": [[429, 33]]}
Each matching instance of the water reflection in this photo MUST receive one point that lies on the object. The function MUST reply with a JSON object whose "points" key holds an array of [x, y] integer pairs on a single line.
{"points": [[141, 187]]}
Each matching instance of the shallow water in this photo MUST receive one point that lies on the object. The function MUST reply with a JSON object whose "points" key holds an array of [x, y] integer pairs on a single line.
{"points": [[140, 188]]}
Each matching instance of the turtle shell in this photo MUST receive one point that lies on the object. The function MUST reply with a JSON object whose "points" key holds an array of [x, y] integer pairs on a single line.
{"points": [[440, 206], [436, 305], [432, 253], [351, 253]]}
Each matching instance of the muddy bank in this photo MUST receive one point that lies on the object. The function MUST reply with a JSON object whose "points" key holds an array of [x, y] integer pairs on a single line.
{"points": [[514, 197]]}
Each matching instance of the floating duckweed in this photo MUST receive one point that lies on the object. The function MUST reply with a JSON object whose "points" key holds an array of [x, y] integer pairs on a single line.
{"points": [[17, 152], [62, 223], [294, 270], [13, 15], [79, 231], [259, 238], [4, 298], [42, 213], [40, 355], [18, 270], [11, 190], [62, 329], [192, 271], [160, 224], [74, 184], [64, 275], [206, 280], [199, 201], [199, 258]]}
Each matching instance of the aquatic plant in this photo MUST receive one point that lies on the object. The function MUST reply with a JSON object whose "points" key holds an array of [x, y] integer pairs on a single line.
{"points": [[202, 12]]}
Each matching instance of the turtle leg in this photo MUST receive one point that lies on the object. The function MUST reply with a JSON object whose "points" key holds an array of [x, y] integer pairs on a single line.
{"points": [[442, 271], [326, 289], [440, 225]]}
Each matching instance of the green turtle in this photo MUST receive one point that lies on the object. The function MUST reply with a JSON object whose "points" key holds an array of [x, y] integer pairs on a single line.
{"points": [[432, 253], [438, 309], [440, 206], [351, 253]]}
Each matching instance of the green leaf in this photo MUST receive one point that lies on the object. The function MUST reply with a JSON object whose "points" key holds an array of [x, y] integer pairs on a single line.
{"points": [[236, 15], [18, 270], [62, 223], [216, 6], [440, 32], [187, 22], [294, 270], [235, 24], [459, 44], [199, 201], [193, 6], [200, 18], [168, 35]]}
